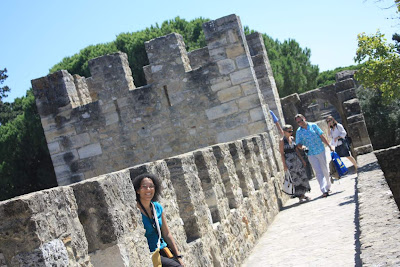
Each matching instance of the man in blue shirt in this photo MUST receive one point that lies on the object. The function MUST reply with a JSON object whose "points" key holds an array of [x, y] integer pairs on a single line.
{"points": [[311, 136]]}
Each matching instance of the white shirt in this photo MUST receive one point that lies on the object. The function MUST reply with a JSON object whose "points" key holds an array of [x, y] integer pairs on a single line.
{"points": [[336, 132]]}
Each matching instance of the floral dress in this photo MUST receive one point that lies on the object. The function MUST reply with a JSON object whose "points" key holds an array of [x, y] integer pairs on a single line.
{"points": [[296, 168]]}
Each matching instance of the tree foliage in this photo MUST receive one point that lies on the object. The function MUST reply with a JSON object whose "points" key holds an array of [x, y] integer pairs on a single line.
{"points": [[133, 45], [3, 89], [329, 77], [381, 68], [290, 63], [382, 118], [25, 163]]}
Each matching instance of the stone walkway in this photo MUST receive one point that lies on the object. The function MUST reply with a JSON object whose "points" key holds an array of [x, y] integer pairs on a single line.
{"points": [[321, 232]]}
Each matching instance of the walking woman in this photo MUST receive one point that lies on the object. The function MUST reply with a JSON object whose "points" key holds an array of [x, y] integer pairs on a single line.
{"points": [[337, 134], [294, 162], [147, 187]]}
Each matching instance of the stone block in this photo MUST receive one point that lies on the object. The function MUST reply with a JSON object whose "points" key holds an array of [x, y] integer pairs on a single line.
{"points": [[48, 123], [345, 85], [249, 102], [90, 151], [241, 76], [232, 135], [229, 94], [257, 114], [242, 61], [234, 51], [65, 158], [226, 66], [222, 84], [217, 43], [111, 118], [217, 53], [249, 88], [57, 134], [54, 147], [221, 110], [75, 141]]}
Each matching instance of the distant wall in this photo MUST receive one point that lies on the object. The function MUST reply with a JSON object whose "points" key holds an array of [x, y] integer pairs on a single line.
{"points": [[389, 161], [378, 215]]}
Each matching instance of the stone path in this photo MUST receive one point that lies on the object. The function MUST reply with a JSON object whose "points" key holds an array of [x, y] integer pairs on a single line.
{"points": [[321, 232]]}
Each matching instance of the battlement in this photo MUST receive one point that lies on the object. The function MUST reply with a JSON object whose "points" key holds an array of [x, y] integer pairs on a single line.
{"points": [[103, 123]]}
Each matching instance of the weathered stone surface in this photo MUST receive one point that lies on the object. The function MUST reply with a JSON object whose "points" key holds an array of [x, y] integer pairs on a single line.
{"points": [[379, 217], [344, 74], [112, 222], [43, 228], [387, 159]]}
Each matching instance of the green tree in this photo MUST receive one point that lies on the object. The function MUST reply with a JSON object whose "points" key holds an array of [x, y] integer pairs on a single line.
{"points": [[329, 77], [382, 118], [3, 89], [299, 75], [381, 68], [25, 163], [133, 45]]}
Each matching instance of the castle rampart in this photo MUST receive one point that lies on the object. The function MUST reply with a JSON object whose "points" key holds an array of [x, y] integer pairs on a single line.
{"points": [[216, 197], [104, 123]]}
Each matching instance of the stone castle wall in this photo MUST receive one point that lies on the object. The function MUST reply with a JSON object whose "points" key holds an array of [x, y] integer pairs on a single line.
{"points": [[388, 161], [103, 123], [218, 200], [378, 225]]}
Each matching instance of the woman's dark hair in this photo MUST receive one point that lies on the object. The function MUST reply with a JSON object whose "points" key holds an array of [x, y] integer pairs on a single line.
{"points": [[138, 180]]}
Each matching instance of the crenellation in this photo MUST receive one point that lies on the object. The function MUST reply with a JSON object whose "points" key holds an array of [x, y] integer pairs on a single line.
{"points": [[41, 222], [185, 203], [199, 57], [264, 74], [252, 162], [237, 153], [54, 92], [111, 76], [260, 156], [108, 213], [82, 90]]}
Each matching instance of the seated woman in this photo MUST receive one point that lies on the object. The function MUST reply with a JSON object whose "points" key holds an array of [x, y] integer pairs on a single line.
{"points": [[294, 162], [337, 134], [147, 187]]}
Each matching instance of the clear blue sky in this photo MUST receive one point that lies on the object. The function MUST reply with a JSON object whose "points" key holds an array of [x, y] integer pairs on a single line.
{"points": [[38, 34]]}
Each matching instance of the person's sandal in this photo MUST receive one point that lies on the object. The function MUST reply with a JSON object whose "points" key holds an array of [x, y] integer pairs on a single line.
{"points": [[326, 194]]}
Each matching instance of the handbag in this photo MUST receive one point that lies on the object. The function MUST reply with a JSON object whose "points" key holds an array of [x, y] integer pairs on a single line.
{"points": [[288, 186], [156, 257], [339, 165]]}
